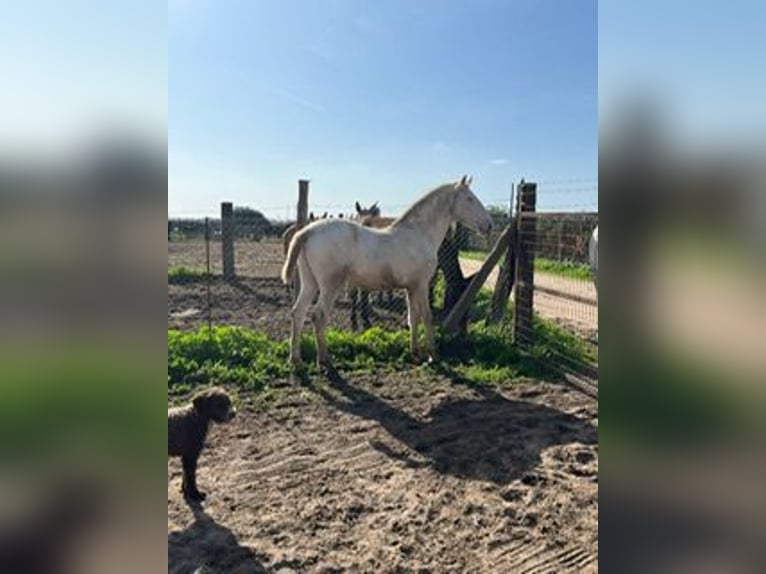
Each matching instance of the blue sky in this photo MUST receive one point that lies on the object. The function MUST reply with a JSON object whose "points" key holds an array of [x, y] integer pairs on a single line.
{"points": [[379, 101]]}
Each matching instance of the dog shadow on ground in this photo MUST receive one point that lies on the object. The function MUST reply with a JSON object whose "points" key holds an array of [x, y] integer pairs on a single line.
{"points": [[205, 543], [491, 438]]}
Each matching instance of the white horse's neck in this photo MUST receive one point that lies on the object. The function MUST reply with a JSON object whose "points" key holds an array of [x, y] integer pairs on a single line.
{"points": [[431, 215]]}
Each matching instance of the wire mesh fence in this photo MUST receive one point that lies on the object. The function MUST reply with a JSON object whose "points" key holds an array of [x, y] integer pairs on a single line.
{"points": [[554, 242], [564, 287], [564, 295]]}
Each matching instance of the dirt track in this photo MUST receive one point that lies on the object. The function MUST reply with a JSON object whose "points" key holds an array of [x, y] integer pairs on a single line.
{"points": [[403, 472]]}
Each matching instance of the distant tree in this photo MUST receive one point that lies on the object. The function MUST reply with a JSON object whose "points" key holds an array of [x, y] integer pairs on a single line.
{"points": [[499, 215], [251, 223]]}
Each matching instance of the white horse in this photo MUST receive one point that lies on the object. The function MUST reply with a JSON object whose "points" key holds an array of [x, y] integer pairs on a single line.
{"points": [[335, 252], [593, 256]]}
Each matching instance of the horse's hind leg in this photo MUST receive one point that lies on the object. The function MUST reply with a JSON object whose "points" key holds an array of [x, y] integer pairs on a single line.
{"points": [[327, 297], [302, 303], [425, 315]]}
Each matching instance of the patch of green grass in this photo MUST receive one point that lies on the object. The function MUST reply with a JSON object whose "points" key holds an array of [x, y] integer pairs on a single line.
{"points": [[480, 305], [225, 355], [182, 272], [569, 269], [253, 361]]}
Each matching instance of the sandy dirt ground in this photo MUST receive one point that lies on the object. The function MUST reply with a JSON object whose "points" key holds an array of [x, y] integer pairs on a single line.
{"points": [[407, 471], [398, 472], [257, 299]]}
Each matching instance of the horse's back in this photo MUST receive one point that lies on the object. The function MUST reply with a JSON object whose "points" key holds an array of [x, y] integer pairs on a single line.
{"points": [[366, 257], [330, 237]]}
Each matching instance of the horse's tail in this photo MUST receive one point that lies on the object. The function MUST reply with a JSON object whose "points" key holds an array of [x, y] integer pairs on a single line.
{"points": [[287, 236], [296, 246]]}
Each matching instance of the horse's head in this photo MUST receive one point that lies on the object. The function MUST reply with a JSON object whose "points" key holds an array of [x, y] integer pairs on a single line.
{"points": [[372, 211], [468, 209]]}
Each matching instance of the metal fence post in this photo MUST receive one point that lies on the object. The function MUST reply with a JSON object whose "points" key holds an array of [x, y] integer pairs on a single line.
{"points": [[525, 263], [227, 239], [505, 277], [208, 277]]}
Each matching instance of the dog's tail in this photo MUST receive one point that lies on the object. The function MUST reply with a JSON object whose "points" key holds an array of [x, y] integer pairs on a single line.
{"points": [[296, 246]]}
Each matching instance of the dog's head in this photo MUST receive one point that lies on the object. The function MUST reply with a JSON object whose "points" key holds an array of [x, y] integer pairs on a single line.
{"points": [[214, 404]]}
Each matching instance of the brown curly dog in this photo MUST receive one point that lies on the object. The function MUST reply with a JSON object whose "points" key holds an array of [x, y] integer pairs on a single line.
{"points": [[187, 428]]}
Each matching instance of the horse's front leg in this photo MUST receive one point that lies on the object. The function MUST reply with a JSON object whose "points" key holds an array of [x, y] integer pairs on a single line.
{"points": [[425, 313], [412, 321], [365, 297], [354, 293]]}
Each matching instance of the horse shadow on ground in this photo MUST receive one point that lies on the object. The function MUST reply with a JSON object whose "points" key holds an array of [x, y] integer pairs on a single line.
{"points": [[207, 543], [491, 438]]}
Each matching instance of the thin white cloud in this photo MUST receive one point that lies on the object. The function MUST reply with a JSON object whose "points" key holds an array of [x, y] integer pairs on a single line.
{"points": [[499, 161], [299, 100]]}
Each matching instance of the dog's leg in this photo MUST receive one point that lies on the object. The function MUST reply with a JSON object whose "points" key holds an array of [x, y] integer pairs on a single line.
{"points": [[189, 484]]}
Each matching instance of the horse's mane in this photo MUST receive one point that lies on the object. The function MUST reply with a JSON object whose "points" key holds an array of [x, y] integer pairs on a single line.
{"points": [[416, 209]]}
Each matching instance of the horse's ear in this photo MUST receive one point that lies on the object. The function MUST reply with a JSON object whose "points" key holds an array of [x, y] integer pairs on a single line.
{"points": [[358, 208], [462, 181], [469, 181]]}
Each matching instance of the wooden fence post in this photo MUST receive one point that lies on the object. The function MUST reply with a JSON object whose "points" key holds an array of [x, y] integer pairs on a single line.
{"points": [[303, 202], [227, 239], [302, 218], [526, 242]]}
